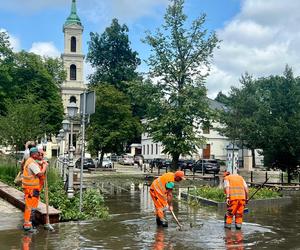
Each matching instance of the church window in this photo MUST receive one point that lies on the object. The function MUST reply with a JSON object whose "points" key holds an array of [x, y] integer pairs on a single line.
{"points": [[73, 72], [73, 44], [73, 99]]}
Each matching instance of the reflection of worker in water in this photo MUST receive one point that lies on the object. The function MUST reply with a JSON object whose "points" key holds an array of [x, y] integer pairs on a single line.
{"points": [[161, 194], [26, 242], [159, 243], [234, 240], [236, 191]]}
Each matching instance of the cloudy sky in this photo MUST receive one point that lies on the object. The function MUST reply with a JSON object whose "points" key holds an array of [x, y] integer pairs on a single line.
{"points": [[258, 36]]}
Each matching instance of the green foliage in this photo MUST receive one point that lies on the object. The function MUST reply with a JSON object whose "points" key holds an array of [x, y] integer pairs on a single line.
{"points": [[113, 124], [29, 78], [111, 56], [8, 173], [264, 114], [217, 194], [177, 104]]}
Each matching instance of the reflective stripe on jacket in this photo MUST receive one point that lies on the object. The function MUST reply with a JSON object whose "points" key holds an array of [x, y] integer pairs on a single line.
{"points": [[236, 187], [30, 181]]}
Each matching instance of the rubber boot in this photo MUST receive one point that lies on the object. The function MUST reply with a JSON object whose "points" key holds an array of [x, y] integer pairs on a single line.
{"points": [[238, 226], [164, 223], [227, 226], [33, 220], [158, 221]]}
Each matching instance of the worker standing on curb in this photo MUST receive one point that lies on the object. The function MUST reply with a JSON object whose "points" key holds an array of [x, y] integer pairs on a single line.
{"points": [[236, 191], [161, 194], [31, 186]]}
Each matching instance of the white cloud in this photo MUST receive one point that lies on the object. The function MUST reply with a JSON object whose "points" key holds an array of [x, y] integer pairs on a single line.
{"points": [[14, 41], [125, 10], [45, 49], [260, 40]]}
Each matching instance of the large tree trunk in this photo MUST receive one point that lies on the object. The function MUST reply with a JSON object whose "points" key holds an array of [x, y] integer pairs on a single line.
{"points": [[253, 158], [175, 158], [289, 174], [101, 158]]}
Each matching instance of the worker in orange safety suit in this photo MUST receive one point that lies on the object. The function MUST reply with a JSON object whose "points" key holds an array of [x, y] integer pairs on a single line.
{"points": [[236, 191], [31, 185], [161, 194]]}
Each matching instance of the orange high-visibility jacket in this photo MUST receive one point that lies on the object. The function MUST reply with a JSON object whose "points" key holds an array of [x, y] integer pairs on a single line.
{"points": [[159, 185], [30, 181], [236, 187]]}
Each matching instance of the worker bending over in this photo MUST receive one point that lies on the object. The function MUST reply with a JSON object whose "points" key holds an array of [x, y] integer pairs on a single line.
{"points": [[31, 183], [236, 191], [161, 194]]}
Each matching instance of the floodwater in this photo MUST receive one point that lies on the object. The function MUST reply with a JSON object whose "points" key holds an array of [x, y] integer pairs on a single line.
{"points": [[132, 226]]}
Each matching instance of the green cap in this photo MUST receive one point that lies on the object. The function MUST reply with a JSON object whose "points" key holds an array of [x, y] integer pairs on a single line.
{"points": [[33, 150], [170, 185]]}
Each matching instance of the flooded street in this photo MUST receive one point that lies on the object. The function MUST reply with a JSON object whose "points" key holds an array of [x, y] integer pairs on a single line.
{"points": [[132, 226]]}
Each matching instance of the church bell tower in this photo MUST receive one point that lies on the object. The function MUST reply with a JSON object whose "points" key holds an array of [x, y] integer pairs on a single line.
{"points": [[73, 59]]}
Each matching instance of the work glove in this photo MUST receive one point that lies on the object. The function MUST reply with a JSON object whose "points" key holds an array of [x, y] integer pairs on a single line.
{"points": [[170, 208]]}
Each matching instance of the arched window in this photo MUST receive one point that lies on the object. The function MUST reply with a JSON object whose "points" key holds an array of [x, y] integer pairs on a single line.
{"points": [[73, 99], [73, 72], [73, 44]]}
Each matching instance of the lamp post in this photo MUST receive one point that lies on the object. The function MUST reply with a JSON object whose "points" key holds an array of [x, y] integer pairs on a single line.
{"points": [[72, 111]]}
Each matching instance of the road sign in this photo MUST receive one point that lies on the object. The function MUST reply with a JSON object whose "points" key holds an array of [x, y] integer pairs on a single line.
{"points": [[89, 104]]}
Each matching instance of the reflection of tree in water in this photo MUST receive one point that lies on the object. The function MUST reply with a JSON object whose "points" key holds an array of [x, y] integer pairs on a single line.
{"points": [[234, 240]]}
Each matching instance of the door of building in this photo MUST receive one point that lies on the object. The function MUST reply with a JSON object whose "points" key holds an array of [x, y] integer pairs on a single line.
{"points": [[206, 152]]}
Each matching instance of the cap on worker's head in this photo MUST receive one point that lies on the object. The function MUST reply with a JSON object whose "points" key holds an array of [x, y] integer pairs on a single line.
{"points": [[226, 173], [170, 185], [180, 174], [40, 149], [33, 150]]}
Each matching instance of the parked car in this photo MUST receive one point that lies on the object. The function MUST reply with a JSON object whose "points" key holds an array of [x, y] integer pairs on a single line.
{"points": [[88, 163], [138, 159], [207, 166], [165, 164], [156, 163], [106, 163], [126, 160], [186, 164]]}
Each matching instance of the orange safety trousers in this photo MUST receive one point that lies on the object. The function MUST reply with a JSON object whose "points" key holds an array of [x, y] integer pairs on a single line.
{"points": [[236, 208], [159, 203], [31, 202]]}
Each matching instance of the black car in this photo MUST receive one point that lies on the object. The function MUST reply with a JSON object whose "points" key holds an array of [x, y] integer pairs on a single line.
{"points": [[156, 162], [165, 164], [186, 164], [88, 163], [207, 166]]}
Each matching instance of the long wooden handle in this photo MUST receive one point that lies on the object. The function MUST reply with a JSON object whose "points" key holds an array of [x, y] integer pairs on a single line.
{"points": [[47, 199], [175, 218]]}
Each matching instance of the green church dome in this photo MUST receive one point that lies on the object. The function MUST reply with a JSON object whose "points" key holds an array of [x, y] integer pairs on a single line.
{"points": [[73, 17]]}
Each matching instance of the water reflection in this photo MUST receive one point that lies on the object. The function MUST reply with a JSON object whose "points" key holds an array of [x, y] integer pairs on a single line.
{"points": [[234, 240]]}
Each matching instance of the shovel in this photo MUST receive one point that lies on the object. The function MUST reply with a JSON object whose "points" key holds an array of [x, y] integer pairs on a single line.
{"points": [[175, 218], [246, 210], [47, 225]]}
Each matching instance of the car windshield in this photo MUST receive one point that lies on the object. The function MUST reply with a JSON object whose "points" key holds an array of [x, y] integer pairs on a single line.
{"points": [[211, 161]]}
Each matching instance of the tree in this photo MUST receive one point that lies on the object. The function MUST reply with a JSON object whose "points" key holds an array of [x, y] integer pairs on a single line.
{"points": [[21, 123], [240, 117], [264, 113], [112, 58], [179, 56], [25, 74], [113, 124]]}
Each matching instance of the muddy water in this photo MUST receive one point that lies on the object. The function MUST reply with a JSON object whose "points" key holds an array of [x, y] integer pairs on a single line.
{"points": [[132, 226]]}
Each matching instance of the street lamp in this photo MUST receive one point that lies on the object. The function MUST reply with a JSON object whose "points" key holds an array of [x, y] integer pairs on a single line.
{"points": [[72, 111]]}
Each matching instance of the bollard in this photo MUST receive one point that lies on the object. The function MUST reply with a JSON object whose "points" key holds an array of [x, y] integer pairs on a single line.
{"points": [[184, 172], [151, 169], [266, 176], [299, 178], [251, 177], [166, 169], [282, 178], [144, 165], [158, 171], [113, 164], [193, 175]]}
